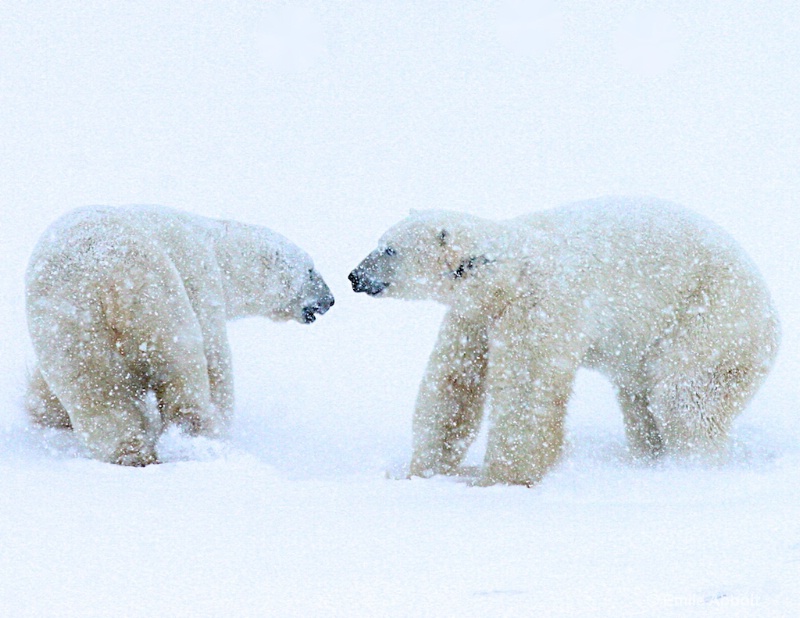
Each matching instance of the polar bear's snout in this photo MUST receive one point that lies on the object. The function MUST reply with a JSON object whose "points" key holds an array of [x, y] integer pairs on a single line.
{"points": [[362, 282], [371, 274], [319, 307], [318, 298]]}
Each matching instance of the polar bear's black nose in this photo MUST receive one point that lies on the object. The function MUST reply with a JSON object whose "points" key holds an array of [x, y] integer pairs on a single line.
{"points": [[324, 303], [362, 282], [320, 307], [355, 280]]}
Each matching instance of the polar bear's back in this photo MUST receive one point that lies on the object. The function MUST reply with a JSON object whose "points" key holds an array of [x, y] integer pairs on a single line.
{"points": [[637, 224], [101, 265], [91, 244], [95, 233], [78, 248], [631, 268], [644, 238]]}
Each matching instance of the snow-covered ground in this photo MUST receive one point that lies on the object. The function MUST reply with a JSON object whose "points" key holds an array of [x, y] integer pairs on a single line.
{"points": [[327, 121]]}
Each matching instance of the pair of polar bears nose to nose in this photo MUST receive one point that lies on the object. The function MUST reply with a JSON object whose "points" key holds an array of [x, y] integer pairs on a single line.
{"points": [[124, 302]]}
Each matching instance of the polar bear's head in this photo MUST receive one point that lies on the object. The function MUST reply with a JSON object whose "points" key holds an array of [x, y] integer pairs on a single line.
{"points": [[266, 274], [429, 255]]}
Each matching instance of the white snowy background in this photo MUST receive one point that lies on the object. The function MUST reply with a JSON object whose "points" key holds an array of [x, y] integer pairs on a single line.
{"points": [[327, 121]]}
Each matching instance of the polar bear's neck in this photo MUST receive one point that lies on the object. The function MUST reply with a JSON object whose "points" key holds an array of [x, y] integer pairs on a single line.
{"points": [[227, 259], [512, 261]]}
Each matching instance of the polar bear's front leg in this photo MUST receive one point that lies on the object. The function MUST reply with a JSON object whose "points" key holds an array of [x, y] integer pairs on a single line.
{"points": [[207, 298], [531, 372], [220, 381], [162, 337], [220, 372], [450, 402]]}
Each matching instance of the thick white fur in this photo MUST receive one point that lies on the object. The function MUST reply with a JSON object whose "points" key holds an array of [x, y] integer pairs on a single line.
{"points": [[126, 301], [661, 301]]}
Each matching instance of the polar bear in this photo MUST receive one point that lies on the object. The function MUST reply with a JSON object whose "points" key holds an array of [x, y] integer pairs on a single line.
{"points": [[127, 302], [661, 301]]}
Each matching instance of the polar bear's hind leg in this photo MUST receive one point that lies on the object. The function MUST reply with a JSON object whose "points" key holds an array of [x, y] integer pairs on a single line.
{"points": [[704, 376], [641, 428], [106, 406], [43, 407], [695, 410]]}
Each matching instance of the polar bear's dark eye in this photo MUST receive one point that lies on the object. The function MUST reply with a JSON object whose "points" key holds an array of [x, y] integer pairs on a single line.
{"points": [[389, 251]]}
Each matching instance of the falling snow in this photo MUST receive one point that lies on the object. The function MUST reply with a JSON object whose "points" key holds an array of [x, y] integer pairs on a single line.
{"points": [[327, 123]]}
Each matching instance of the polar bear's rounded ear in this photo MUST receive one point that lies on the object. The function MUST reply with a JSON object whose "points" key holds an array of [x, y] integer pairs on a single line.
{"points": [[413, 211]]}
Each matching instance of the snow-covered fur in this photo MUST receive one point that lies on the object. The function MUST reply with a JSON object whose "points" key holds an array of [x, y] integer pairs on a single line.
{"points": [[122, 302], [661, 301]]}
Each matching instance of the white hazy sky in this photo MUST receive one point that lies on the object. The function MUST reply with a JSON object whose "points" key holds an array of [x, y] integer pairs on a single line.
{"points": [[327, 121]]}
